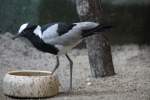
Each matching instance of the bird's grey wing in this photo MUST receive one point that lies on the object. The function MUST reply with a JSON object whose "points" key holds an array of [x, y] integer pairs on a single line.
{"points": [[64, 28], [67, 34], [53, 30], [57, 32], [45, 27]]}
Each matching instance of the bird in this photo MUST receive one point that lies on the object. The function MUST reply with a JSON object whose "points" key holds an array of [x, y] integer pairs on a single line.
{"points": [[58, 38]]}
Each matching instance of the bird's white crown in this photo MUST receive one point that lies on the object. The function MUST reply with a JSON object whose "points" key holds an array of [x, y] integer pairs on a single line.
{"points": [[22, 27]]}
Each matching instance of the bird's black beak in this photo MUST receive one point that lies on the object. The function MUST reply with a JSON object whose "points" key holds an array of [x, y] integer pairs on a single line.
{"points": [[17, 36]]}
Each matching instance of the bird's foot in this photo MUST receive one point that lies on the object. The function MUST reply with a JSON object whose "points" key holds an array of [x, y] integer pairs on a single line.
{"points": [[52, 72]]}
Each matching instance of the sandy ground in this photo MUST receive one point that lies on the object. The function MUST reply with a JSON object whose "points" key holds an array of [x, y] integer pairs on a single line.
{"points": [[131, 62]]}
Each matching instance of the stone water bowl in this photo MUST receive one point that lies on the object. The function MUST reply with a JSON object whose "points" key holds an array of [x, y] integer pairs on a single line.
{"points": [[30, 84]]}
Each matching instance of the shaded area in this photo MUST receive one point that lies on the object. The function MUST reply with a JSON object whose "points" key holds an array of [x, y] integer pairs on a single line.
{"points": [[130, 21], [15, 12], [57, 10], [130, 18]]}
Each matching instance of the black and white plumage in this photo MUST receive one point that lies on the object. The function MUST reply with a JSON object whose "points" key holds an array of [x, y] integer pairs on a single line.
{"points": [[59, 38]]}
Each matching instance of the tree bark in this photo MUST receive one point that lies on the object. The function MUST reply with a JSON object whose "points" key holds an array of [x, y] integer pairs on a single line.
{"points": [[99, 49]]}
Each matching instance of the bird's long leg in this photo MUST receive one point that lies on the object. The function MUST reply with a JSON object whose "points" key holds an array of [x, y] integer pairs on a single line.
{"points": [[71, 67], [56, 66]]}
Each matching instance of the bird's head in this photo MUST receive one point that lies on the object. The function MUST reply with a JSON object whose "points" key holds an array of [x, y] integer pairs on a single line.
{"points": [[27, 29]]}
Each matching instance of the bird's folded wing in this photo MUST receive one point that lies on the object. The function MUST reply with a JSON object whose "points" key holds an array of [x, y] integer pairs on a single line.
{"points": [[52, 30], [60, 33]]}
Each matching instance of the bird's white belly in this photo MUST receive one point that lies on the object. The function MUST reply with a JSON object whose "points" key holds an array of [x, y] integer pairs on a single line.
{"points": [[65, 49]]}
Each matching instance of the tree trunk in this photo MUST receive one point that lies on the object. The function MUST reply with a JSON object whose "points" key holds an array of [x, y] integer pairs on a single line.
{"points": [[99, 50]]}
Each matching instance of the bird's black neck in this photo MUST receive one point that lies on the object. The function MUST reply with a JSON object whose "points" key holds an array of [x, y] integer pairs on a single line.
{"points": [[41, 45]]}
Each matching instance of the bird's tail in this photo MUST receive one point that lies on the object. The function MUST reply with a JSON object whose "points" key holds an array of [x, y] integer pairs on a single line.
{"points": [[98, 29]]}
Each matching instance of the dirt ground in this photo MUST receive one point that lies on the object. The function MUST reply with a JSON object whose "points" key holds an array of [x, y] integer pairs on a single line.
{"points": [[131, 62]]}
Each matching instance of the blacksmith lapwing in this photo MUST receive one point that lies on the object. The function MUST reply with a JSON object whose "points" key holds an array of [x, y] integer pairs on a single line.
{"points": [[58, 38]]}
